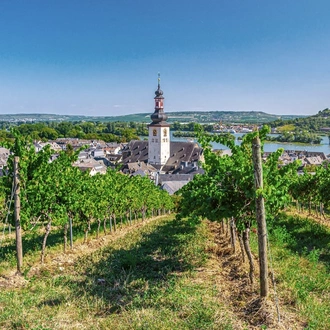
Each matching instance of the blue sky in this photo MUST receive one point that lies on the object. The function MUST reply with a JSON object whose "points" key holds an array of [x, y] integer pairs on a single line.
{"points": [[101, 57]]}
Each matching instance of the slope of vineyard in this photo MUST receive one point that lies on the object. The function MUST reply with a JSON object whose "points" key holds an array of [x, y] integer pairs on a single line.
{"points": [[56, 258], [197, 270], [230, 193], [57, 194], [154, 277], [170, 274]]}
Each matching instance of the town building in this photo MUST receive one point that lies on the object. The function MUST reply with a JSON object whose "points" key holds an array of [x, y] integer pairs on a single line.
{"points": [[4, 154], [162, 155], [159, 132]]}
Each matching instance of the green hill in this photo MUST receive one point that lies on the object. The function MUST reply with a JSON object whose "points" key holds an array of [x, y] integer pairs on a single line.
{"points": [[316, 123], [257, 117]]}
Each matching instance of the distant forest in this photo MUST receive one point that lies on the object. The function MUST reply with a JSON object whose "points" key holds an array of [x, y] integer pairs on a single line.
{"points": [[50, 127], [108, 132]]}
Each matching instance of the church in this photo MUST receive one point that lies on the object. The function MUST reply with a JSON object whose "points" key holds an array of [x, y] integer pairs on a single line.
{"points": [[176, 159]]}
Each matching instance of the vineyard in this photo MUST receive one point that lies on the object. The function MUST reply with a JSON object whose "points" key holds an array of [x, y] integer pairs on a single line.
{"points": [[233, 193], [57, 194], [199, 267]]}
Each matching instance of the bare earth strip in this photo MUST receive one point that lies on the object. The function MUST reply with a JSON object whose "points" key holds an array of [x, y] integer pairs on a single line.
{"points": [[232, 280]]}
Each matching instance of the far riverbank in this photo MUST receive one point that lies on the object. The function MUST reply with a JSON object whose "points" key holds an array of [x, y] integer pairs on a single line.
{"points": [[273, 146]]}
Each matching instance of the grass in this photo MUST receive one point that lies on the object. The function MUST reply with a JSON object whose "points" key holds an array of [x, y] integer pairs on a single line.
{"points": [[148, 279], [300, 250], [170, 274], [286, 128], [32, 242]]}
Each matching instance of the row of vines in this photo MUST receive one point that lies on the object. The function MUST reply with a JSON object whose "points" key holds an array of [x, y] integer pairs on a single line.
{"points": [[54, 194], [227, 193]]}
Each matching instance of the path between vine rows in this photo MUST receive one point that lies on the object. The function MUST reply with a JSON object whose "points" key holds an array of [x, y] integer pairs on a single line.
{"points": [[223, 268], [232, 281], [306, 215], [55, 260]]}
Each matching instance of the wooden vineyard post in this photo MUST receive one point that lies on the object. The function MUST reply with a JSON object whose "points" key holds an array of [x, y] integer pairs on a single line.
{"points": [[71, 233], [17, 203], [261, 217]]}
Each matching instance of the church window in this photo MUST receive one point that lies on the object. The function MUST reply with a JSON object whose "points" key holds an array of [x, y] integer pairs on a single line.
{"points": [[154, 132], [165, 132]]}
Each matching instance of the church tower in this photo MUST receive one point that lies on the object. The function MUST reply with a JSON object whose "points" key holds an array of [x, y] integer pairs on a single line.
{"points": [[159, 132]]}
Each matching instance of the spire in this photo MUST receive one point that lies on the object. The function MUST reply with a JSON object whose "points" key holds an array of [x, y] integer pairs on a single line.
{"points": [[159, 115], [159, 92]]}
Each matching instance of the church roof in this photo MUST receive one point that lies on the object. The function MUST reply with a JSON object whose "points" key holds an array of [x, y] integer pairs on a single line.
{"points": [[135, 151], [181, 154]]}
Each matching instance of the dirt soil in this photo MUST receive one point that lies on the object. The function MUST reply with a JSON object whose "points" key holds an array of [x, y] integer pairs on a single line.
{"points": [[232, 280]]}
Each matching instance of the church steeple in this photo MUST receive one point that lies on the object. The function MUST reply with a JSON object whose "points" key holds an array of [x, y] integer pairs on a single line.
{"points": [[159, 116], [159, 132]]}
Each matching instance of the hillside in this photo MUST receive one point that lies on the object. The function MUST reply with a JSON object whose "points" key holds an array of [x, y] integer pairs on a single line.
{"points": [[257, 117], [168, 274], [316, 123]]}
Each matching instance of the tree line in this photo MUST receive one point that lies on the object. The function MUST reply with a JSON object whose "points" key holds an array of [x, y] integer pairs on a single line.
{"points": [[297, 136], [108, 132]]}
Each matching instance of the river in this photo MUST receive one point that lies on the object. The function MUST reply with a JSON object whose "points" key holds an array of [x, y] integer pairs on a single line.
{"points": [[273, 146]]}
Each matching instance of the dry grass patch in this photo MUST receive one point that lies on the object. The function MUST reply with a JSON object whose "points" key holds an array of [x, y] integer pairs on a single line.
{"points": [[243, 298]]}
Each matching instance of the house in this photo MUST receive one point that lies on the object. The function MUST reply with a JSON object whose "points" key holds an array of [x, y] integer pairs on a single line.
{"points": [[39, 145], [98, 152], [114, 148], [139, 167], [173, 186], [173, 182], [317, 160], [92, 167], [4, 154]]}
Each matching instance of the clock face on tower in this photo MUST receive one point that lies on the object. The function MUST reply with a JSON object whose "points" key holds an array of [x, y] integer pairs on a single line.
{"points": [[154, 132], [165, 132]]}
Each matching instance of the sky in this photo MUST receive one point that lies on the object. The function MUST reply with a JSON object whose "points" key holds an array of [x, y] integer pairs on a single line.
{"points": [[102, 57]]}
